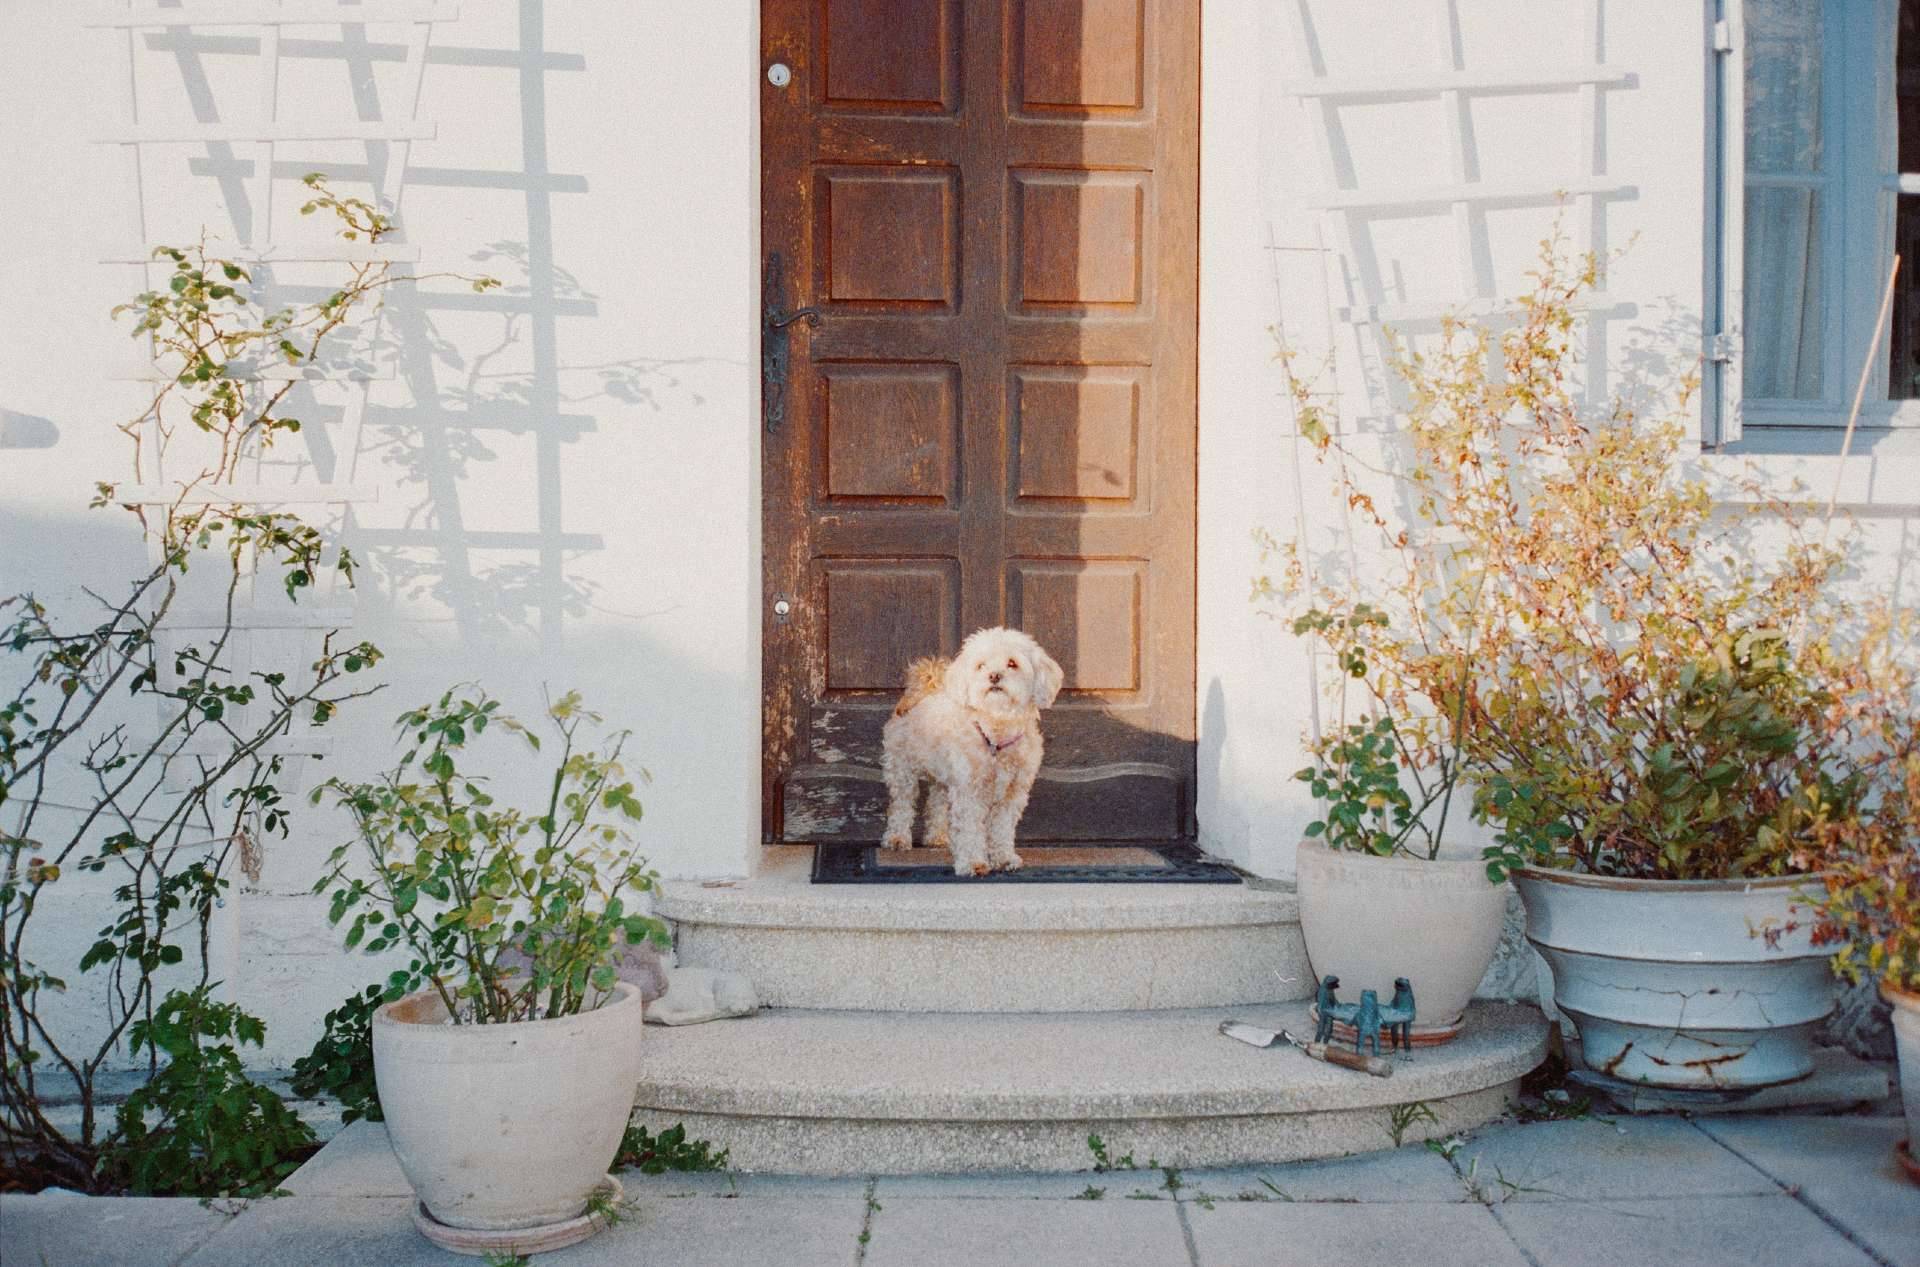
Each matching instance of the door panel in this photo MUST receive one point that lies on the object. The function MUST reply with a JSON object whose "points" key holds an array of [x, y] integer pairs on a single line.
{"points": [[994, 207]]}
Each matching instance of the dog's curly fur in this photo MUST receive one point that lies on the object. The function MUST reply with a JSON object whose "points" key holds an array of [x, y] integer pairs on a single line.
{"points": [[971, 728]]}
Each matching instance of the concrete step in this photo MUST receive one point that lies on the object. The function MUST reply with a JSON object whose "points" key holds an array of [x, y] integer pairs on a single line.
{"points": [[962, 948], [831, 1093]]}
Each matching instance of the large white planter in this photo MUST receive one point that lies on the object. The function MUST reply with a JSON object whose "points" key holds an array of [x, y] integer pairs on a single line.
{"points": [[1906, 1036], [1369, 919], [1689, 984], [506, 1126]]}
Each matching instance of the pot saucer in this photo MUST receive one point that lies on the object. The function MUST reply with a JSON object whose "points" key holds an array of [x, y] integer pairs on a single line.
{"points": [[508, 1242], [1904, 1151]]}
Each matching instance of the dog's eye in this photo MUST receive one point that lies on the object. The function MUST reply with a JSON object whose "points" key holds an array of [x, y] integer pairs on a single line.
{"points": [[981, 665], [1013, 664]]}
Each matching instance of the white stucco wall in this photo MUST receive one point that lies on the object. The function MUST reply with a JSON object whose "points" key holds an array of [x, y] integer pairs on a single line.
{"points": [[568, 469], [1271, 260]]}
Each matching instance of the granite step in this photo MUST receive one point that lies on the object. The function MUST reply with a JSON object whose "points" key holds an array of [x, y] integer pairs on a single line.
{"points": [[850, 1092], [961, 948]]}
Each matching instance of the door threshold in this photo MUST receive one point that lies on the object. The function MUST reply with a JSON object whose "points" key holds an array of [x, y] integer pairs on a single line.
{"points": [[1131, 862]]}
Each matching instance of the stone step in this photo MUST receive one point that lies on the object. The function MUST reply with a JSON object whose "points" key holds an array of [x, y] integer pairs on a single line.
{"points": [[833, 1093], [991, 948]]}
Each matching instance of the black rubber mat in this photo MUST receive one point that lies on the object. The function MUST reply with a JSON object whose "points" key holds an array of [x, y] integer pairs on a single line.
{"points": [[1173, 863]]}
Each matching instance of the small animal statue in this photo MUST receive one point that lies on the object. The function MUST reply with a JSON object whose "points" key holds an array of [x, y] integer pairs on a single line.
{"points": [[1398, 1016], [1366, 1022], [1325, 1003]]}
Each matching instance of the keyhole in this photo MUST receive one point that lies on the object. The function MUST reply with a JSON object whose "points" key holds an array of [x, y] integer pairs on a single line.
{"points": [[779, 75]]}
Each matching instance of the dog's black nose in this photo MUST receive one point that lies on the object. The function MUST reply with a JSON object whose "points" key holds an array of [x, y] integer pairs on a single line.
{"points": [[993, 678]]}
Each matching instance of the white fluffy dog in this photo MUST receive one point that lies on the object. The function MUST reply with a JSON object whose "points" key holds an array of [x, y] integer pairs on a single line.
{"points": [[972, 728]]}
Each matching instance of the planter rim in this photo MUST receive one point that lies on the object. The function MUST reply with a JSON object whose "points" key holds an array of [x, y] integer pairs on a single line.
{"points": [[1582, 880], [1403, 859], [623, 992], [1899, 997]]}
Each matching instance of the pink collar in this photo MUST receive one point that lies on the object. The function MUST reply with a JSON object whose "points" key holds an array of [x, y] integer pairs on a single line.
{"points": [[995, 748]]}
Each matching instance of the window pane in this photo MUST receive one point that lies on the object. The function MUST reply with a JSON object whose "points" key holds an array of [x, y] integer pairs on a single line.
{"points": [[1784, 344], [1783, 86]]}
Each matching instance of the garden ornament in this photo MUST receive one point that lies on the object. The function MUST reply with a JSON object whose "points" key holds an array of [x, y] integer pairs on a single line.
{"points": [[1366, 1017]]}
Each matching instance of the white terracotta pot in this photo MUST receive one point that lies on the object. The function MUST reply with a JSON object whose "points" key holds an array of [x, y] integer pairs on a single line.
{"points": [[506, 1126], [1369, 919], [1688, 984], [1906, 1035]]}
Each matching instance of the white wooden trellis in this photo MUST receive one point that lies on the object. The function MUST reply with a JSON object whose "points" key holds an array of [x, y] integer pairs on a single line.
{"points": [[326, 607], [1452, 85]]}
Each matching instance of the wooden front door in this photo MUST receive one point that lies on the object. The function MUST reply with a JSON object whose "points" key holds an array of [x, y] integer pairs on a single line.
{"points": [[993, 205]]}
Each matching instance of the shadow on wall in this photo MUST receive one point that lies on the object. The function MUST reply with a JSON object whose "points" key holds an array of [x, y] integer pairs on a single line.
{"points": [[460, 394], [27, 431]]}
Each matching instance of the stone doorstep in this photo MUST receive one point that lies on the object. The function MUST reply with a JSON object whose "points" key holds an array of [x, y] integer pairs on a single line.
{"points": [[781, 895], [1839, 1080], [809, 1092], [947, 948]]}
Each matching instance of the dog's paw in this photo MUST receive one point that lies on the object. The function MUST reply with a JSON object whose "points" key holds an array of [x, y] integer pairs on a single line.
{"points": [[972, 868], [1008, 862], [940, 841], [896, 840]]}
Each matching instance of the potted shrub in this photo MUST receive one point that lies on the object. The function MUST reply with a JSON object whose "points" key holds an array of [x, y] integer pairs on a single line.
{"points": [[1639, 697], [1868, 911], [1384, 894], [506, 1079]]}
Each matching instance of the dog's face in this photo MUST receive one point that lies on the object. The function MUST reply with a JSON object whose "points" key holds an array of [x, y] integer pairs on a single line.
{"points": [[1003, 671]]}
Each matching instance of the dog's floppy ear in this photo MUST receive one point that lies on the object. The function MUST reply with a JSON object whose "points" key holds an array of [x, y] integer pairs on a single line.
{"points": [[1047, 677]]}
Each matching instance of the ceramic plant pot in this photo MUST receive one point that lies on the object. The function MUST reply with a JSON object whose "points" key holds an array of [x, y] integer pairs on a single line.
{"points": [[506, 1126], [1685, 984], [1368, 920], [1906, 1036]]}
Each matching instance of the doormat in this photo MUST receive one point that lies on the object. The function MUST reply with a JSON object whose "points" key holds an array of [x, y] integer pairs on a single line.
{"points": [[1176, 863]]}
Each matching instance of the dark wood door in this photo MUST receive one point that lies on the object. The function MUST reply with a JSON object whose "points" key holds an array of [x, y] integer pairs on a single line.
{"points": [[993, 204]]}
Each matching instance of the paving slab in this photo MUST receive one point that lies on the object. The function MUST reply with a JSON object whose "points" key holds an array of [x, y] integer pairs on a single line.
{"points": [[1255, 1234], [1593, 1160], [752, 1232], [358, 1162], [733, 1183], [1067, 1186], [913, 1232], [1703, 1232], [1394, 1175], [68, 1230], [1844, 1167], [337, 1231]]}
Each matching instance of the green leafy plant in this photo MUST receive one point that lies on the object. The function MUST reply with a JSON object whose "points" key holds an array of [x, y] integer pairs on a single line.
{"points": [[1868, 906], [652, 1154], [510, 915], [1102, 1162], [1629, 685], [340, 1065], [199, 1126], [137, 743]]}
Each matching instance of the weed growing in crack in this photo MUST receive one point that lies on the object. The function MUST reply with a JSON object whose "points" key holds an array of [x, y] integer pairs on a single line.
{"points": [[1402, 1116], [1102, 1163], [1506, 1189]]}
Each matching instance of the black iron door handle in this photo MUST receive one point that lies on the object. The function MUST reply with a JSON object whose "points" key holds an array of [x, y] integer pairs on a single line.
{"points": [[775, 352]]}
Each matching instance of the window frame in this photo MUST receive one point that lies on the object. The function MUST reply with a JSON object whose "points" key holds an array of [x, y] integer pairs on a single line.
{"points": [[1859, 149]]}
